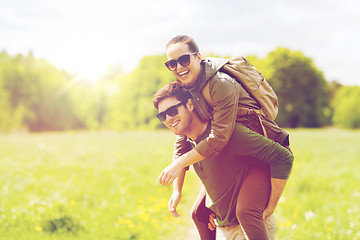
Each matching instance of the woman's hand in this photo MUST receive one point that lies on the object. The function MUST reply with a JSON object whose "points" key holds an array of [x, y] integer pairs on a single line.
{"points": [[171, 172]]}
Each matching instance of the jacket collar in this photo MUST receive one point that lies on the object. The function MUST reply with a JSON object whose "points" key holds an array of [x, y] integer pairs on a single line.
{"points": [[209, 67]]}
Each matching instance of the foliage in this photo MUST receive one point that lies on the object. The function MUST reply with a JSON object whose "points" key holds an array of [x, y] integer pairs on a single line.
{"points": [[10, 117], [133, 108], [300, 86], [6, 122], [347, 108], [34, 90], [36, 96]]}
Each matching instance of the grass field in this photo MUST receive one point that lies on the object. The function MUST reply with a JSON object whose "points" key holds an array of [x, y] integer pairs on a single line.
{"points": [[322, 199], [104, 186]]}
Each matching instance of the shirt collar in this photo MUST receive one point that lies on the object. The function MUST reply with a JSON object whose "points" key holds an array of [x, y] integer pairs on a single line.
{"points": [[204, 134]]}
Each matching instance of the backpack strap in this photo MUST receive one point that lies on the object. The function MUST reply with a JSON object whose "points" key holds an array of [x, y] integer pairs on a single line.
{"points": [[250, 111], [240, 111]]}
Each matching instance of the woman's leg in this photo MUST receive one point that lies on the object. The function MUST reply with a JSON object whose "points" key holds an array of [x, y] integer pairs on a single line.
{"points": [[252, 201], [200, 215]]}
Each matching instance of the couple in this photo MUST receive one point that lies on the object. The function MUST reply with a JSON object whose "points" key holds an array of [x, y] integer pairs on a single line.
{"points": [[243, 172]]}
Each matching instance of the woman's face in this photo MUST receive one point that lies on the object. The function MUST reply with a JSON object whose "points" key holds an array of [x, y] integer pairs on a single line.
{"points": [[185, 74]]}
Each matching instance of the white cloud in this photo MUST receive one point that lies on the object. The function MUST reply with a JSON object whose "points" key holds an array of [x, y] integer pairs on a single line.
{"points": [[86, 36]]}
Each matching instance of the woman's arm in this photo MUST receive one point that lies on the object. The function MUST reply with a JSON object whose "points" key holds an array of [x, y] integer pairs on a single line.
{"points": [[171, 172], [224, 95]]}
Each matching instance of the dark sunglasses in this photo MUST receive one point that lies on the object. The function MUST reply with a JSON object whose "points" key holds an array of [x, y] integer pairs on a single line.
{"points": [[171, 111], [184, 61]]}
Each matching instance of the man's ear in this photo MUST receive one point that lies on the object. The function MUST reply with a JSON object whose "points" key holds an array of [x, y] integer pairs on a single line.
{"points": [[189, 105]]}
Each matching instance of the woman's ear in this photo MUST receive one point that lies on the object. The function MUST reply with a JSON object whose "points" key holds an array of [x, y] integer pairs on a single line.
{"points": [[198, 55]]}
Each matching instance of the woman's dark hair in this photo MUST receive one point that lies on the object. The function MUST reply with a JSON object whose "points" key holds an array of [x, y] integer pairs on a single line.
{"points": [[186, 40]]}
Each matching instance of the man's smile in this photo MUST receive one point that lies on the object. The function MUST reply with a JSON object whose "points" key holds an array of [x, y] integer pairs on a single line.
{"points": [[175, 123]]}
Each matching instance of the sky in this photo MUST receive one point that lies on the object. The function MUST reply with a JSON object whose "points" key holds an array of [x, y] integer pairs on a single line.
{"points": [[86, 38]]}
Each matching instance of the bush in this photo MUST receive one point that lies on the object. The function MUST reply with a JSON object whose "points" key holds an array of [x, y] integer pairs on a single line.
{"points": [[347, 108]]}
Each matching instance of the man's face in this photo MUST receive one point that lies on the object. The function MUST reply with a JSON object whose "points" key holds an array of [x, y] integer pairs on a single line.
{"points": [[185, 74], [180, 122]]}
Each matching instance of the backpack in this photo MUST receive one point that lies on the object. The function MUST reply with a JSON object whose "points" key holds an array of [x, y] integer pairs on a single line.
{"points": [[254, 83]]}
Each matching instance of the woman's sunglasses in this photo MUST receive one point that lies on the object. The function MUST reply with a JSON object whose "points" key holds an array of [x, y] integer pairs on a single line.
{"points": [[184, 61], [171, 111]]}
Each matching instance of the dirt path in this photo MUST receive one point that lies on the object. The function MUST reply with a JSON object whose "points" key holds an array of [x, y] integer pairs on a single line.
{"points": [[192, 234]]}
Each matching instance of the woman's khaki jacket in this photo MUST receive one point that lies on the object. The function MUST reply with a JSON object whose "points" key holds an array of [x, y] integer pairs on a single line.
{"points": [[226, 95]]}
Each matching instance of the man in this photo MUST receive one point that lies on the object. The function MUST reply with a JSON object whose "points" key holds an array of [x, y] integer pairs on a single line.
{"points": [[223, 174]]}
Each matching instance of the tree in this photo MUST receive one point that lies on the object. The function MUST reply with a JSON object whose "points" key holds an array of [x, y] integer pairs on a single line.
{"points": [[35, 92], [347, 107], [10, 117], [132, 108], [5, 114], [300, 86]]}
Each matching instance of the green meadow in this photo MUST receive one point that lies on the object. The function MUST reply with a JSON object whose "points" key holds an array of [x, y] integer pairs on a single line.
{"points": [[103, 185]]}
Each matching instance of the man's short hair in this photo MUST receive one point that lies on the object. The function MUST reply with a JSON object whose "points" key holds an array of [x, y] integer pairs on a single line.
{"points": [[174, 89]]}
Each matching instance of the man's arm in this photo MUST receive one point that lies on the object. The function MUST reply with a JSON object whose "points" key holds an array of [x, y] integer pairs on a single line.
{"points": [[176, 195]]}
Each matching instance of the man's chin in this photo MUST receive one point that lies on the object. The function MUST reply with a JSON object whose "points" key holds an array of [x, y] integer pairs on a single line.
{"points": [[177, 132]]}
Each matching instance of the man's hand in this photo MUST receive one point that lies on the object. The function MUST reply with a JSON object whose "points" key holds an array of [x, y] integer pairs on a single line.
{"points": [[173, 202], [171, 172], [211, 224], [277, 188]]}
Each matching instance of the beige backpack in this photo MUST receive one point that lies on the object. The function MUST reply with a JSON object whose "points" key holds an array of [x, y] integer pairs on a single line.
{"points": [[254, 83]]}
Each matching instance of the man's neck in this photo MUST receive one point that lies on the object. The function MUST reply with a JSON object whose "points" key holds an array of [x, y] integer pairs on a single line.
{"points": [[196, 128]]}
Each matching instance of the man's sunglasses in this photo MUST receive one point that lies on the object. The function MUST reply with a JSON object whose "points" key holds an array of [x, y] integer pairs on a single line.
{"points": [[184, 61], [171, 111]]}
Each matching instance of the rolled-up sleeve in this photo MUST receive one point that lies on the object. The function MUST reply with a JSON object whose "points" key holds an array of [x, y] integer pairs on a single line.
{"points": [[181, 146], [224, 92]]}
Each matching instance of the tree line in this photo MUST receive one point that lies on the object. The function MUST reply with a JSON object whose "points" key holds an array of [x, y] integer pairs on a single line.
{"points": [[36, 96]]}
